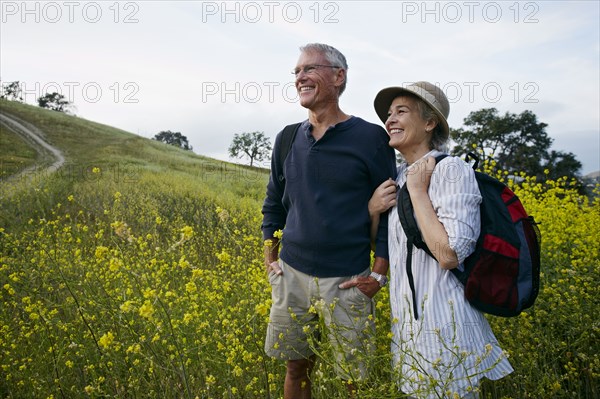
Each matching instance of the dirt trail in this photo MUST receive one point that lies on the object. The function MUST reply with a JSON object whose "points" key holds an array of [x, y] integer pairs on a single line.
{"points": [[36, 138]]}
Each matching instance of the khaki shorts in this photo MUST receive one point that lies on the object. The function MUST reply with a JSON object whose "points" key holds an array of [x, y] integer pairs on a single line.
{"points": [[301, 302]]}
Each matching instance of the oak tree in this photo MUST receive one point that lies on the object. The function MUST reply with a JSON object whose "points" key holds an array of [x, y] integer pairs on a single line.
{"points": [[256, 146]]}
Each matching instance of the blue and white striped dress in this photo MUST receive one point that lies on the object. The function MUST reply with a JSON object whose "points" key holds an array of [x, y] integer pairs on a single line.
{"points": [[451, 346]]}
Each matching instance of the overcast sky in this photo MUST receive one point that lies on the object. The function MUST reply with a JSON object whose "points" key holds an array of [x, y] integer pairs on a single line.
{"points": [[213, 69]]}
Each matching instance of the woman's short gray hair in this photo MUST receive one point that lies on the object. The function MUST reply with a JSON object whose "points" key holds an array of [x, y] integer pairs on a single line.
{"points": [[333, 55], [438, 138]]}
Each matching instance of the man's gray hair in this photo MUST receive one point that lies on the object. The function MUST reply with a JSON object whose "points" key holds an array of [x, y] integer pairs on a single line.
{"points": [[334, 57]]}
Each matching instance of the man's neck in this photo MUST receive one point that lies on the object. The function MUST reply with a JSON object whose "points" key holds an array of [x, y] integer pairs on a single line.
{"points": [[322, 119]]}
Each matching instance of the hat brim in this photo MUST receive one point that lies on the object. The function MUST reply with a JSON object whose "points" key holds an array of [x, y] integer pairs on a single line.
{"points": [[384, 99]]}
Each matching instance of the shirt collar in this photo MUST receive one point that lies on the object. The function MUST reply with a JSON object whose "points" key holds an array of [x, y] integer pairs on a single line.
{"points": [[307, 126]]}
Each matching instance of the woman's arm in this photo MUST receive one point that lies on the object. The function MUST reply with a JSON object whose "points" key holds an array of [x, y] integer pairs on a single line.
{"points": [[383, 198], [432, 230]]}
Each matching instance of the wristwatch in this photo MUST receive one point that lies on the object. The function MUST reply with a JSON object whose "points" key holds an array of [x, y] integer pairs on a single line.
{"points": [[381, 279]]}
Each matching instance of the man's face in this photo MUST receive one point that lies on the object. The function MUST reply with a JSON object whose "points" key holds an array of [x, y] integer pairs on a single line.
{"points": [[318, 87]]}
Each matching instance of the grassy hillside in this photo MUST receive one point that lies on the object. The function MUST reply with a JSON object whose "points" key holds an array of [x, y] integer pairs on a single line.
{"points": [[15, 153], [124, 156], [135, 271]]}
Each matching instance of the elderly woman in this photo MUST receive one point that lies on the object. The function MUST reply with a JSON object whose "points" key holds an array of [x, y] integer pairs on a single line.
{"points": [[442, 346]]}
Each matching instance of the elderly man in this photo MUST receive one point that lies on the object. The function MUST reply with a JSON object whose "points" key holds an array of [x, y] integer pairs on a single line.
{"points": [[319, 198]]}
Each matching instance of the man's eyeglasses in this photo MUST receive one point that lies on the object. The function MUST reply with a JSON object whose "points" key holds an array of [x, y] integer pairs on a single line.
{"points": [[310, 69]]}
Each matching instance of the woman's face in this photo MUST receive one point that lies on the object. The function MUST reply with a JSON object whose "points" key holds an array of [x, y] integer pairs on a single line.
{"points": [[409, 133]]}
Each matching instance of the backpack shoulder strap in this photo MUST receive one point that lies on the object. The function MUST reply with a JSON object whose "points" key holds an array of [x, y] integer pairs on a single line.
{"points": [[413, 234], [285, 145], [407, 217], [472, 156]]}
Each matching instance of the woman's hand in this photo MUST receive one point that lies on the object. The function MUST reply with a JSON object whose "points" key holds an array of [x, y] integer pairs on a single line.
{"points": [[383, 198], [419, 175]]}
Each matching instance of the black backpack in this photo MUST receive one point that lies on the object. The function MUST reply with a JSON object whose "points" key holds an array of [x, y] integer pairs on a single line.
{"points": [[287, 139], [502, 276]]}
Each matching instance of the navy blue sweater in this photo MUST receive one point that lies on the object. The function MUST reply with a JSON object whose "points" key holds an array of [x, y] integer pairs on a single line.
{"points": [[322, 207]]}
